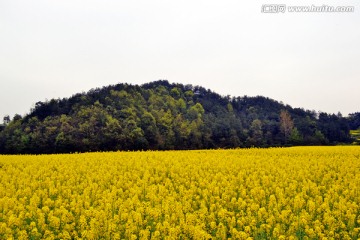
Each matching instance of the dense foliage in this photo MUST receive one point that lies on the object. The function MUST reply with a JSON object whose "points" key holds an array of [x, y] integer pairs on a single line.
{"points": [[275, 193], [160, 115], [354, 120]]}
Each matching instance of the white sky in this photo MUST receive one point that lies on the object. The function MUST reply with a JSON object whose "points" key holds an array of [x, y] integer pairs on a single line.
{"points": [[56, 48]]}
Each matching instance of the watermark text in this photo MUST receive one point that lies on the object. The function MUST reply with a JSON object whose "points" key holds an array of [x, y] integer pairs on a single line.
{"points": [[282, 8]]}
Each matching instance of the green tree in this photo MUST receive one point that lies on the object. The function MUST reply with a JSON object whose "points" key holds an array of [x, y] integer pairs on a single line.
{"points": [[196, 111], [256, 133], [151, 132], [295, 137]]}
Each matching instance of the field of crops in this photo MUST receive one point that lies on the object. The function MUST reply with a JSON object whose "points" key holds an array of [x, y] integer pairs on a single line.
{"points": [[291, 193]]}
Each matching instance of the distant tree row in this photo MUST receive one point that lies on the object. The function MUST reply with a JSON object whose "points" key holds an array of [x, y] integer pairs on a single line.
{"points": [[160, 115]]}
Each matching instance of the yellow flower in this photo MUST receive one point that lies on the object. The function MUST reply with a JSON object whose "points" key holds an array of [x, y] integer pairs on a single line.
{"points": [[237, 194]]}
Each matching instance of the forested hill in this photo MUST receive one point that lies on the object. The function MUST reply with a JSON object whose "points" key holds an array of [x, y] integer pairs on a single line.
{"points": [[160, 115]]}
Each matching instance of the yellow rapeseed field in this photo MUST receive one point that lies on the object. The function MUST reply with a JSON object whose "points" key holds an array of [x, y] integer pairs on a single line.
{"points": [[278, 193]]}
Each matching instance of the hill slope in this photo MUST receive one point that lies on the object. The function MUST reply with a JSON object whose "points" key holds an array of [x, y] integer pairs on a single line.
{"points": [[160, 115]]}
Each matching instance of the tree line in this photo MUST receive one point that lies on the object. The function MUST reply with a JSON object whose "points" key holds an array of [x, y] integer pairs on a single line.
{"points": [[162, 116]]}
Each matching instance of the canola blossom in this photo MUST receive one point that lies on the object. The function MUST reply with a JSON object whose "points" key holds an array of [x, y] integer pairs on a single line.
{"points": [[277, 193]]}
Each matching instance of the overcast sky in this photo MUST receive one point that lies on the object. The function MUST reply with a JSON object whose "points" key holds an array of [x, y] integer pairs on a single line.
{"points": [[56, 48]]}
